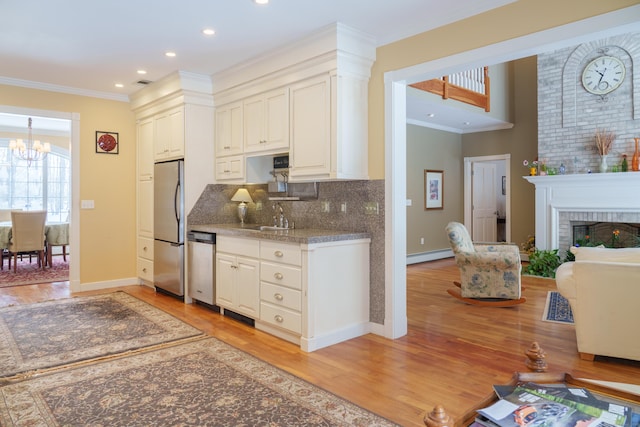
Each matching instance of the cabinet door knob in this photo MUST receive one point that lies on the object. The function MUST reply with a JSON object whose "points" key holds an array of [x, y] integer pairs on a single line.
{"points": [[278, 276], [278, 297], [278, 318], [144, 249], [144, 270], [279, 254]]}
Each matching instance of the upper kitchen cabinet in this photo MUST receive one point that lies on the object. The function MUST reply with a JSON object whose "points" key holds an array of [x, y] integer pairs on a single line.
{"points": [[229, 129], [266, 121], [321, 83], [169, 134]]}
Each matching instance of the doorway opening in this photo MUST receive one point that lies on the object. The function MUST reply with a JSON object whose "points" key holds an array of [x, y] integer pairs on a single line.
{"points": [[73, 147], [487, 199]]}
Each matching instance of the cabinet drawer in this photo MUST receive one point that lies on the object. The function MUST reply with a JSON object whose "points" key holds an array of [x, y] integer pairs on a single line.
{"points": [[281, 274], [145, 248], [237, 246], [281, 317], [281, 296], [280, 252], [145, 269]]}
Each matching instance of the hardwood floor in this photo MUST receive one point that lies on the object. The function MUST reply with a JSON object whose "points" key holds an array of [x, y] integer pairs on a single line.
{"points": [[452, 354]]}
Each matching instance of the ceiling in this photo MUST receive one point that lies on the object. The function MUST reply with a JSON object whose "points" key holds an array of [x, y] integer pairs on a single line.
{"points": [[86, 47]]}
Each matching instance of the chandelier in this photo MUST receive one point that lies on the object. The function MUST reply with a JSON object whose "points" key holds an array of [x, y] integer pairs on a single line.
{"points": [[30, 150]]}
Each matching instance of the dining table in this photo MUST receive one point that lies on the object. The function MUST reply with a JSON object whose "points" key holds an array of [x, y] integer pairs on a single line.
{"points": [[55, 234]]}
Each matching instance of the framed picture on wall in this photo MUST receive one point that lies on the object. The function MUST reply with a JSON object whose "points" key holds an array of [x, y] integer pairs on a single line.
{"points": [[107, 142], [433, 189]]}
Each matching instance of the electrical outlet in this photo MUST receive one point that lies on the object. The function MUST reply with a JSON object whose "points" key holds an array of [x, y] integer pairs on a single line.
{"points": [[371, 208], [258, 206], [343, 207], [422, 240], [326, 206]]}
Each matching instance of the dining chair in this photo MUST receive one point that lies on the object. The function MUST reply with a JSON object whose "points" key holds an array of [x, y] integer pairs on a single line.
{"points": [[5, 215], [27, 235]]}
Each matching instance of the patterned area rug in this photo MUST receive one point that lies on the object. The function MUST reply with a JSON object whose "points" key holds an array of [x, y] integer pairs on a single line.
{"points": [[201, 383], [53, 333], [557, 309], [29, 273]]}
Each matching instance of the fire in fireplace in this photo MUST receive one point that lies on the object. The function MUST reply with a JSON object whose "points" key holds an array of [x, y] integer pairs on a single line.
{"points": [[609, 234]]}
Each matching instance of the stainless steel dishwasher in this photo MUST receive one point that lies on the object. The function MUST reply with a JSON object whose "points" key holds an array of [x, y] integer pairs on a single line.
{"points": [[201, 266]]}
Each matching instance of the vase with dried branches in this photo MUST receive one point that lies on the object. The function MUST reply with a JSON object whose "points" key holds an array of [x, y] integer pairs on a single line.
{"points": [[604, 141]]}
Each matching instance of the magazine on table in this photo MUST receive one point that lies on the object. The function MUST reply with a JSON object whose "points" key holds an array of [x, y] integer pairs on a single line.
{"points": [[532, 405]]}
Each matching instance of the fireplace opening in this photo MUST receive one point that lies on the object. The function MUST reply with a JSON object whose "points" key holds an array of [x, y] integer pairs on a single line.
{"points": [[609, 234]]}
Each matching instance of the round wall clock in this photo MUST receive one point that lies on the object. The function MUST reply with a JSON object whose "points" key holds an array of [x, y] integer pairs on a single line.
{"points": [[603, 75]]}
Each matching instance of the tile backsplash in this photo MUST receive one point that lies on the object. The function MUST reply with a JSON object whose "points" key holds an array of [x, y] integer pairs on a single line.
{"points": [[215, 207]]}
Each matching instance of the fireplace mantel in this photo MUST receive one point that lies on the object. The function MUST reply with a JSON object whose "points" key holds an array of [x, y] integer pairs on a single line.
{"points": [[615, 193]]}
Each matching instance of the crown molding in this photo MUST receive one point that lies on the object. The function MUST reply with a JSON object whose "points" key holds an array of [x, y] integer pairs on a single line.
{"points": [[62, 89]]}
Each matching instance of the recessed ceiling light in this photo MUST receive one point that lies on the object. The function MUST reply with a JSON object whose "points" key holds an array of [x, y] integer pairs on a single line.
{"points": [[261, 1], [170, 54], [208, 31], [142, 71], [119, 85], [467, 123], [431, 115]]}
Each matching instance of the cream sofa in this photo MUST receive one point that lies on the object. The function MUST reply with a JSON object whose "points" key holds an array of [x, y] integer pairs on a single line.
{"points": [[603, 289]]}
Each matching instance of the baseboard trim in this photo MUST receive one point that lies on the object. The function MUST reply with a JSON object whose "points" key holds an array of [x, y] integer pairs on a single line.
{"points": [[93, 286], [429, 256], [334, 337]]}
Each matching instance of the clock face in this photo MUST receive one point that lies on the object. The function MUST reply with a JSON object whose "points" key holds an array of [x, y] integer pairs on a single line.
{"points": [[603, 75]]}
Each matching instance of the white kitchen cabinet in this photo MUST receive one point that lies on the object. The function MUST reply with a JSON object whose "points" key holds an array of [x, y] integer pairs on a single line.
{"points": [[144, 211], [328, 129], [238, 275], [229, 139], [169, 134], [311, 294], [230, 168], [145, 149], [266, 122], [314, 295], [310, 152], [281, 286]]}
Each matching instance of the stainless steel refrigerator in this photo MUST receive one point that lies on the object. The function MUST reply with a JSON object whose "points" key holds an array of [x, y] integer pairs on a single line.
{"points": [[168, 227]]}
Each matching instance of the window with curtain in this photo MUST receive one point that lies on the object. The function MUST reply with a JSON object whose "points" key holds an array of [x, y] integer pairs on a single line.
{"points": [[45, 184]]}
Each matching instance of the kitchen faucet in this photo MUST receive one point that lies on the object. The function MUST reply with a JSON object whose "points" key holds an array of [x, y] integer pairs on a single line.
{"points": [[279, 220]]}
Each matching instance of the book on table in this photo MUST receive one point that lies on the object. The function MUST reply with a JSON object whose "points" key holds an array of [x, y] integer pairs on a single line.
{"points": [[534, 405]]}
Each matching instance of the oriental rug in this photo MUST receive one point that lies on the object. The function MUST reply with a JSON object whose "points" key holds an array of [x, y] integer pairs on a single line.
{"points": [[28, 273], [53, 333], [557, 309], [200, 383]]}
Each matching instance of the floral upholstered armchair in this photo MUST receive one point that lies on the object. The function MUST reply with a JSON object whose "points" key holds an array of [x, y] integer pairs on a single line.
{"points": [[490, 272]]}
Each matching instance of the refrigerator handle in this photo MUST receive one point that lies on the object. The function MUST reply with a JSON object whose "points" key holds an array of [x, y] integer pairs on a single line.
{"points": [[176, 201]]}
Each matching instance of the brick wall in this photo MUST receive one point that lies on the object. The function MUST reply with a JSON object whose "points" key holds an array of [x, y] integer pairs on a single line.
{"points": [[568, 115]]}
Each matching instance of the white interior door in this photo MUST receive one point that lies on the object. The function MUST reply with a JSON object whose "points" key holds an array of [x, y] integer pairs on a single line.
{"points": [[484, 226]]}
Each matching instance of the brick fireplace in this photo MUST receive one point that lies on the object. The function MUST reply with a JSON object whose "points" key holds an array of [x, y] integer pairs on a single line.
{"points": [[563, 200]]}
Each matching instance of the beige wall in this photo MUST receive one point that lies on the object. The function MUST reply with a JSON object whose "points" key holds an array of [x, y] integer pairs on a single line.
{"points": [[516, 19], [107, 233], [521, 142], [434, 150]]}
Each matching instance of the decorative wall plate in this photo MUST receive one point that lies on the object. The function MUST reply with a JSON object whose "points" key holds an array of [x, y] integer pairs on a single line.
{"points": [[107, 142]]}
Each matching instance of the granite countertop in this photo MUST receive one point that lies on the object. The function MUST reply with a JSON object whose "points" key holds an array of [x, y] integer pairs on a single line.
{"points": [[297, 235]]}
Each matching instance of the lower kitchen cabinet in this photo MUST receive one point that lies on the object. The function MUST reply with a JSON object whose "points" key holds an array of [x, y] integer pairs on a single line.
{"points": [[311, 294], [237, 275]]}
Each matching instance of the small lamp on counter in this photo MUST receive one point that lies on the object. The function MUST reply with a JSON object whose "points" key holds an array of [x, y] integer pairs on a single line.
{"points": [[242, 196]]}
